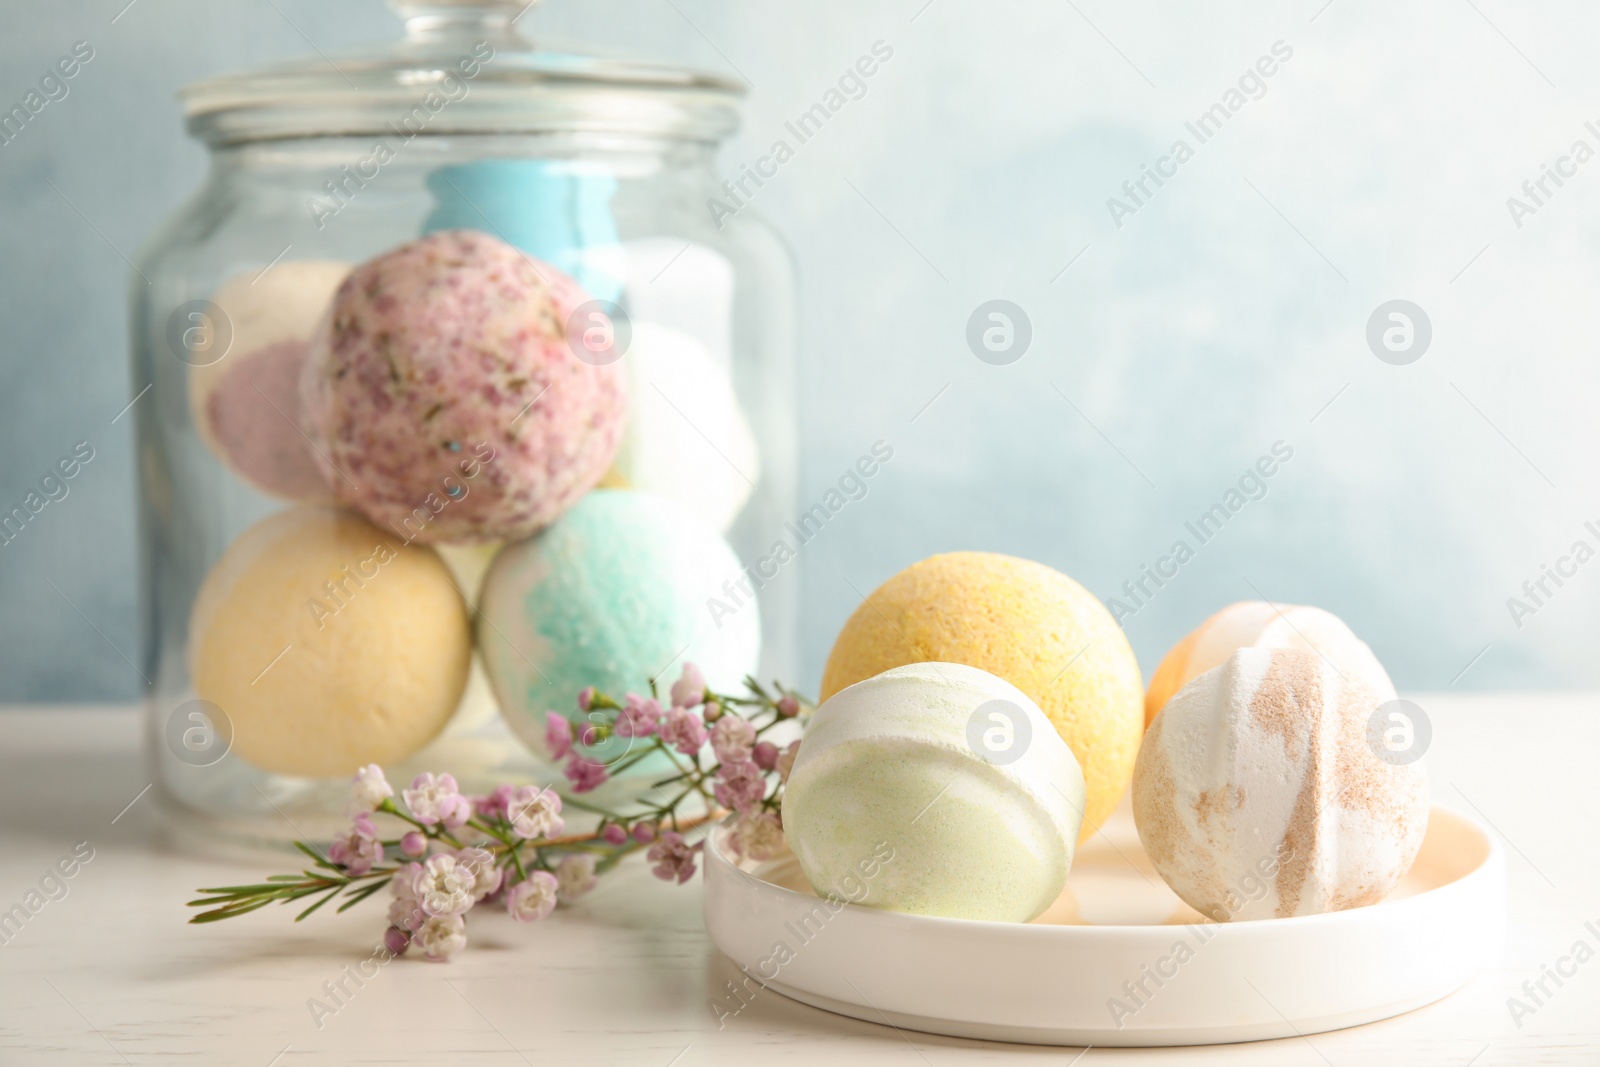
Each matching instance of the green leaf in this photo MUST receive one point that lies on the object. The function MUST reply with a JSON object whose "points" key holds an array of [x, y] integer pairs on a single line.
{"points": [[320, 859], [329, 896], [228, 913]]}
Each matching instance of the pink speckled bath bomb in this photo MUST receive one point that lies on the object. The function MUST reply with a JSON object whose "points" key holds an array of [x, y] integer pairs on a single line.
{"points": [[445, 400]]}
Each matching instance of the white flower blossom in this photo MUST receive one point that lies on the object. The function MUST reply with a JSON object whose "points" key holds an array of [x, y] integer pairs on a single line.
{"points": [[369, 788], [440, 936], [486, 876], [757, 837], [532, 899], [534, 813], [575, 876], [445, 887], [435, 800]]}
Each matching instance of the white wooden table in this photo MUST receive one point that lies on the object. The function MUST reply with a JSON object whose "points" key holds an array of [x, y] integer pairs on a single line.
{"points": [[111, 974]]}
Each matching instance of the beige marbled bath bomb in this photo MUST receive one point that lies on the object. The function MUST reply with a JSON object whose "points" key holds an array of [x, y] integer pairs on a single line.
{"points": [[1258, 794], [1259, 624], [1030, 625], [329, 643]]}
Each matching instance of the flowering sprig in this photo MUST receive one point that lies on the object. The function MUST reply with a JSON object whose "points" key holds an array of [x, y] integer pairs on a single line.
{"points": [[451, 852]]}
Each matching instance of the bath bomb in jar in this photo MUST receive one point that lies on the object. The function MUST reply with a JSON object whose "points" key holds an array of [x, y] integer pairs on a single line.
{"points": [[443, 393], [329, 643], [687, 438], [951, 780], [1258, 793], [1259, 624], [246, 405], [615, 593], [1029, 624], [556, 210]]}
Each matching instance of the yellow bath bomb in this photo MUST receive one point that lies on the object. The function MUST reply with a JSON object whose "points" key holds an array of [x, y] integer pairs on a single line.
{"points": [[328, 643], [1031, 625], [1258, 624]]}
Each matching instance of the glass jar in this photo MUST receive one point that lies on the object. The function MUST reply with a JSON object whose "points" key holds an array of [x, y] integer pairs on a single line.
{"points": [[457, 193]]}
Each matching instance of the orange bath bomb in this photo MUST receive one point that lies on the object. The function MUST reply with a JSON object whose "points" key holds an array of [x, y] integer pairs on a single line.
{"points": [[1030, 625]]}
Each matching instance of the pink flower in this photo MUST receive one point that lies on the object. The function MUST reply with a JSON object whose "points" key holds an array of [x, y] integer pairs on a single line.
{"points": [[584, 774], [740, 786], [479, 862], [673, 858], [413, 844], [614, 834], [437, 800], [359, 850], [690, 689], [440, 936], [369, 788], [732, 738], [758, 837], [788, 707], [785, 762], [493, 805], [712, 711], [684, 731], [575, 876], [534, 813], [644, 832], [396, 941], [586, 698], [765, 755], [533, 898], [557, 735], [639, 716]]}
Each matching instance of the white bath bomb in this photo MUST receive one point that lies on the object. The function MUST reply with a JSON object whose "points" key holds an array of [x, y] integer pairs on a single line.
{"points": [[687, 438], [1258, 794], [953, 773], [328, 644], [246, 405], [1258, 624], [687, 287]]}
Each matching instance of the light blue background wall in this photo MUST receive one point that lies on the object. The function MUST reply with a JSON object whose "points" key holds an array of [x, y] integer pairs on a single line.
{"points": [[1223, 316]]}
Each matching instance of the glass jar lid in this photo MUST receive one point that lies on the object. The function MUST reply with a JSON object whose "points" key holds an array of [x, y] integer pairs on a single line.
{"points": [[462, 68]]}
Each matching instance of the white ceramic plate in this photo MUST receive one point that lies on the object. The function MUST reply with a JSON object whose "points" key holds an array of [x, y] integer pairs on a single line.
{"points": [[1119, 959]]}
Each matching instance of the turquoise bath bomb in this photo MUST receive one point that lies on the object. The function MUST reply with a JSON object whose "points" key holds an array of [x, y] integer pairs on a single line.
{"points": [[553, 210], [616, 592]]}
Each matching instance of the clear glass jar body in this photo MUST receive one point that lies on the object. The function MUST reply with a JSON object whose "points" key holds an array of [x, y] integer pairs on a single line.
{"points": [[287, 203]]}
